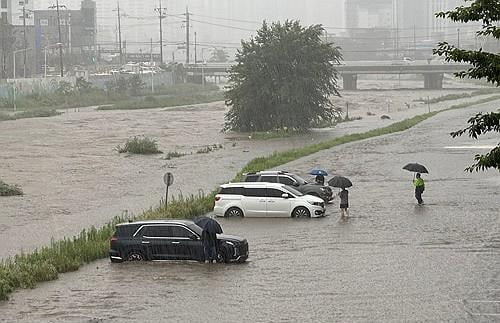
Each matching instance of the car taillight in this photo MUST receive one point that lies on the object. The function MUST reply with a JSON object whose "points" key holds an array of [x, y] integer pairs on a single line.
{"points": [[113, 238], [217, 198]]}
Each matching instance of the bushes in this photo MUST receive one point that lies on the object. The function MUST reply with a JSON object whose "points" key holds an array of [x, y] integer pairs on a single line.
{"points": [[9, 190], [140, 145]]}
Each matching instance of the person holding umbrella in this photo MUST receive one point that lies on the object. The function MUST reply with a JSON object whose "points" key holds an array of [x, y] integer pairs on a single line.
{"points": [[320, 175], [343, 183], [209, 236], [344, 202], [419, 184]]}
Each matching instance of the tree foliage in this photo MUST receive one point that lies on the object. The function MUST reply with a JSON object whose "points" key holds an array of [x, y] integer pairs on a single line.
{"points": [[283, 78], [219, 56], [485, 65]]}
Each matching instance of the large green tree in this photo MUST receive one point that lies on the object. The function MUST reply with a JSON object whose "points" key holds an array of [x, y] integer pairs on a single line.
{"points": [[485, 65], [283, 77]]}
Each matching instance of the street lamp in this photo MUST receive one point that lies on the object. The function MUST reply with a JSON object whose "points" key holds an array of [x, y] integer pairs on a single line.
{"points": [[14, 58]]}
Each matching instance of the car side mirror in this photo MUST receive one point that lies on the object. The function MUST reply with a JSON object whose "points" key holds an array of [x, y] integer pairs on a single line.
{"points": [[285, 196], [193, 237], [296, 184]]}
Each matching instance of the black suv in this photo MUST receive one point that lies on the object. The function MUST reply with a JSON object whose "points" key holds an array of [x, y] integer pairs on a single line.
{"points": [[322, 191], [170, 240]]}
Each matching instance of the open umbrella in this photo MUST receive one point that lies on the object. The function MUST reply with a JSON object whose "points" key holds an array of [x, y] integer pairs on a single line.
{"points": [[340, 182], [416, 168], [318, 171], [208, 224]]}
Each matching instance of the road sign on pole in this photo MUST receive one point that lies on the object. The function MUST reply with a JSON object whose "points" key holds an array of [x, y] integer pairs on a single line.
{"points": [[168, 179]]}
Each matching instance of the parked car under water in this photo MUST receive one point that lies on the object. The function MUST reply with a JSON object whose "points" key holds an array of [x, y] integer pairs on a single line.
{"points": [[170, 240]]}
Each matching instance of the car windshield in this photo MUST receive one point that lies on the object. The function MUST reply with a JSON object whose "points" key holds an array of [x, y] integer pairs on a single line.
{"points": [[299, 179], [293, 191]]}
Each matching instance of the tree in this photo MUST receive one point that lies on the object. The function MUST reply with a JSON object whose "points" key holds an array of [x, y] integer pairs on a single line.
{"points": [[283, 78], [485, 65], [135, 84], [219, 56]]}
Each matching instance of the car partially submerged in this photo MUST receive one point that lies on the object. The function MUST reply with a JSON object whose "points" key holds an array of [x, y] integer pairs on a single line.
{"points": [[294, 180], [170, 240]]}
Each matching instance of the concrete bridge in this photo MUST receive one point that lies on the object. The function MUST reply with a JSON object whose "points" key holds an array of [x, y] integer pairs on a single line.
{"points": [[433, 73]]}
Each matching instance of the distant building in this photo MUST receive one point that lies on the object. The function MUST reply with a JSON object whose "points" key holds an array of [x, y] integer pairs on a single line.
{"points": [[11, 12], [78, 31], [410, 26]]}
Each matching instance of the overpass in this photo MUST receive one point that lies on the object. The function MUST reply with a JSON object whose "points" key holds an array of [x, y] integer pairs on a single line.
{"points": [[433, 73]]}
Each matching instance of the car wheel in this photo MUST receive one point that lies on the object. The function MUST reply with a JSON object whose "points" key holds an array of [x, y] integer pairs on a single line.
{"points": [[222, 256], [135, 256], [234, 212], [301, 212]]}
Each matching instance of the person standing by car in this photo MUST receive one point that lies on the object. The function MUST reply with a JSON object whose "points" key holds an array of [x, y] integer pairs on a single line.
{"points": [[344, 202], [419, 184], [320, 179], [209, 239]]}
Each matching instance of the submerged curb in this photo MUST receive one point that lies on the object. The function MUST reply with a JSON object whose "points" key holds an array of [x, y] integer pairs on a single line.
{"points": [[27, 269]]}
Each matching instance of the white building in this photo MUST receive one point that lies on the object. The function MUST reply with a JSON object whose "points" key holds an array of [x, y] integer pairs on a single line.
{"points": [[11, 12]]}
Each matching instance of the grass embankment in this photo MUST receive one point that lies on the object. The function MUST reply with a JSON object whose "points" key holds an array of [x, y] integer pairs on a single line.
{"points": [[9, 190], [26, 270], [450, 97], [183, 94], [47, 104], [42, 113]]}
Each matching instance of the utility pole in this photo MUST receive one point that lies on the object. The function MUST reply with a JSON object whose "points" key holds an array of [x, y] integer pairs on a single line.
{"points": [[161, 14], [61, 63], [25, 44], [151, 67], [187, 35], [195, 49], [3, 25], [119, 32], [414, 42], [458, 37]]}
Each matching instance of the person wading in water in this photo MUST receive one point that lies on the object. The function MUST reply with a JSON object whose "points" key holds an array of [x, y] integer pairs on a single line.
{"points": [[419, 184], [344, 202]]}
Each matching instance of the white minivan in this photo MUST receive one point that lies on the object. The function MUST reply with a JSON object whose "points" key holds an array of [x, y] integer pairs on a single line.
{"points": [[265, 200]]}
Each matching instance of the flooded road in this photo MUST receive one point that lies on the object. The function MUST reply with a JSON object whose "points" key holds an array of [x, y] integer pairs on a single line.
{"points": [[74, 178], [392, 261]]}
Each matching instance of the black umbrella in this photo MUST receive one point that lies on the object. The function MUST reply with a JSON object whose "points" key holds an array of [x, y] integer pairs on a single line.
{"points": [[340, 181], [416, 168], [208, 224]]}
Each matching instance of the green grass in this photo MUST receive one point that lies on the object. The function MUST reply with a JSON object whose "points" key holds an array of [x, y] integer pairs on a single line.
{"points": [[9, 190], [457, 96], [42, 113], [46, 104], [26, 270], [140, 145], [165, 101]]}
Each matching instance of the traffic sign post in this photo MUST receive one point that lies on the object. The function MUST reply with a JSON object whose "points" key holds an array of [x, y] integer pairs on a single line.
{"points": [[168, 179]]}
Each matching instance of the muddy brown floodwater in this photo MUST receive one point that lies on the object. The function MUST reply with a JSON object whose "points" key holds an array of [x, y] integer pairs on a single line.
{"points": [[391, 261], [73, 177]]}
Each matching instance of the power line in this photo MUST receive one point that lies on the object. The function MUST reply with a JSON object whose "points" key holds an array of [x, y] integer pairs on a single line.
{"points": [[223, 26]]}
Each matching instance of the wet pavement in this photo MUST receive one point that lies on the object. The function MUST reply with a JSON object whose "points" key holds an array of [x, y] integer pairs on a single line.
{"points": [[391, 261]]}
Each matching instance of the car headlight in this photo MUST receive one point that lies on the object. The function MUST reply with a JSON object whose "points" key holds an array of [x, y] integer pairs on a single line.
{"points": [[315, 203], [323, 189]]}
